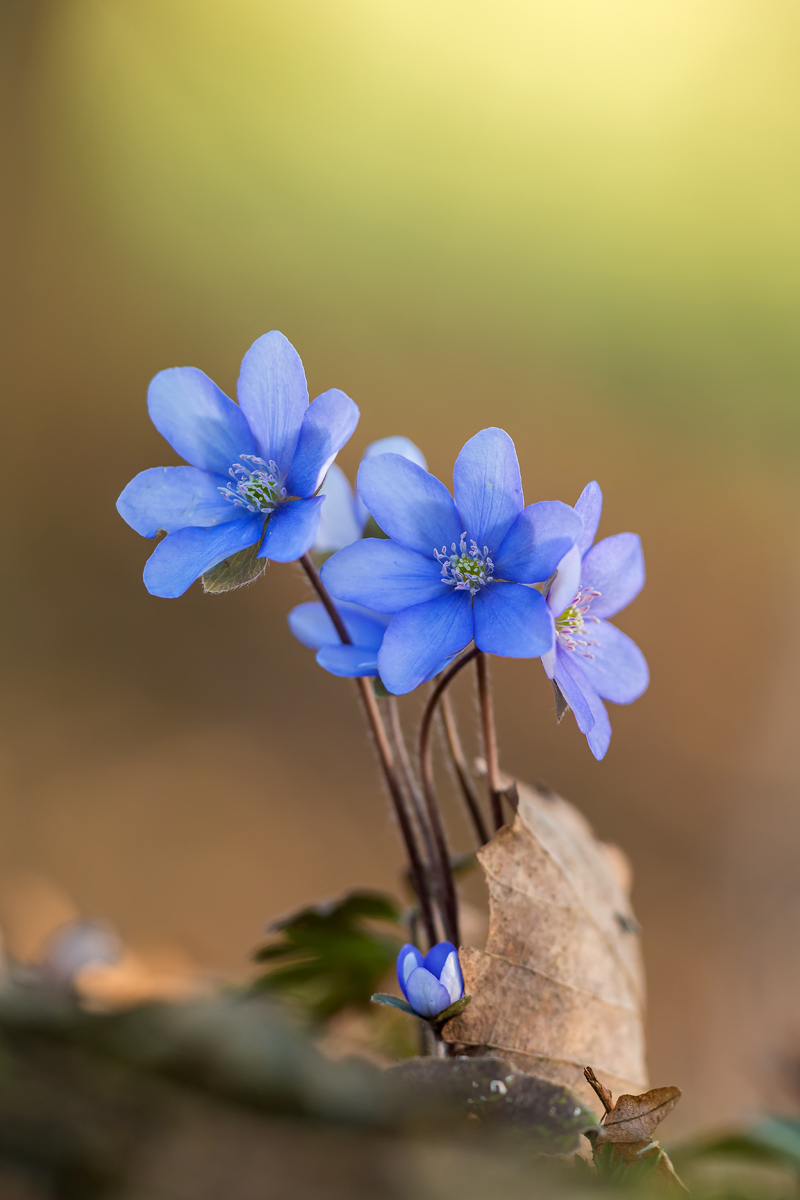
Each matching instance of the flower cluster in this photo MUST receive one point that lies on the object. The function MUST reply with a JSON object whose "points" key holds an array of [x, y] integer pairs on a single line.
{"points": [[417, 574]]}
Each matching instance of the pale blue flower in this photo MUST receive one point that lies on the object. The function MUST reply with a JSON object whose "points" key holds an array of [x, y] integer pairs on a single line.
{"points": [[256, 466], [430, 984], [592, 660]]}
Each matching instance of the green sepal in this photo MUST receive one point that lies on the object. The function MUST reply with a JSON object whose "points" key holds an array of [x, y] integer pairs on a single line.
{"points": [[379, 689], [451, 1011], [235, 571], [393, 1002]]}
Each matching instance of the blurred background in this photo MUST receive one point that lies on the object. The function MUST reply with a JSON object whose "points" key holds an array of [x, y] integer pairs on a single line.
{"points": [[577, 221]]}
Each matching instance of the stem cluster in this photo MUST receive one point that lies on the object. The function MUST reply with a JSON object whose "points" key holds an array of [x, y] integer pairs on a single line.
{"points": [[413, 791]]}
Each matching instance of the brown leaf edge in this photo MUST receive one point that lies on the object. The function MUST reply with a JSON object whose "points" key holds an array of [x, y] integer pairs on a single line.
{"points": [[622, 1145]]}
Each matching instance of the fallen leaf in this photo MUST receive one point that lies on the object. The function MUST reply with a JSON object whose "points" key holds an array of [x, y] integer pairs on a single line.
{"points": [[633, 1118], [622, 1144], [560, 983]]}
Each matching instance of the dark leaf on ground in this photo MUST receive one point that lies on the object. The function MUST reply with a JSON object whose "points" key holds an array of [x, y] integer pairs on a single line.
{"points": [[497, 1094]]}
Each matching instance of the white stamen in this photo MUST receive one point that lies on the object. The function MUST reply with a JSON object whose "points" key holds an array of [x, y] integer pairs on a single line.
{"points": [[258, 487], [465, 570], [571, 624]]}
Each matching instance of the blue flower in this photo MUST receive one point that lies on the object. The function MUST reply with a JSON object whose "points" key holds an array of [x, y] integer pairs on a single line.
{"points": [[312, 626], [592, 660], [255, 467], [477, 588], [430, 984]]}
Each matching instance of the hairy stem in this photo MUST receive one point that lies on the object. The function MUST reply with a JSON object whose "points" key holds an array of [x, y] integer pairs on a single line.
{"points": [[462, 770], [406, 772], [429, 792], [381, 740], [489, 740]]}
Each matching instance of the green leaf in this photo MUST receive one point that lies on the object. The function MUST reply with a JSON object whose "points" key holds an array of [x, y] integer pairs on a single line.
{"points": [[393, 1002], [328, 957], [452, 1010], [236, 571]]}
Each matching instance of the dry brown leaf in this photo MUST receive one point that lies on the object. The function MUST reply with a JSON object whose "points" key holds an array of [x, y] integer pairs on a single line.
{"points": [[633, 1118], [626, 1132], [560, 983]]}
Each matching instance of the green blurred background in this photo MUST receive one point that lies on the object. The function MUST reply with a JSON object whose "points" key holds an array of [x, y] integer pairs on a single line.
{"points": [[577, 221]]}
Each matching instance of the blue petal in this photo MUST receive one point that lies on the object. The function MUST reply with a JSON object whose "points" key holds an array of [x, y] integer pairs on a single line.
{"points": [[598, 734], [273, 396], [513, 621], [382, 575], [589, 507], [198, 420], [615, 567], [451, 977], [408, 960], [291, 529], [425, 994], [409, 505], [171, 498], [537, 541], [617, 669], [437, 956], [567, 582], [328, 423], [487, 487], [339, 523], [184, 556], [420, 637], [312, 626], [573, 687], [390, 445], [349, 662]]}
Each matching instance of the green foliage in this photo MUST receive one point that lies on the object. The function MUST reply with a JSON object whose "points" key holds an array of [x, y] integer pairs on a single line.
{"points": [[393, 1002], [772, 1140], [328, 957], [612, 1169]]}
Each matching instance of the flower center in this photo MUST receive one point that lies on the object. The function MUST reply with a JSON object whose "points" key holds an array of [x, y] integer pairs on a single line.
{"points": [[571, 625], [255, 487], [465, 570]]}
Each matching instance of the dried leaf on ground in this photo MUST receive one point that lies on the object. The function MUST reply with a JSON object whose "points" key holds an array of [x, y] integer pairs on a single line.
{"points": [[633, 1118], [560, 983], [623, 1142]]}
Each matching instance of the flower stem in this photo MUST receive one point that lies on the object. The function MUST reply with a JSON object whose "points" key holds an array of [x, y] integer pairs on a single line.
{"points": [[489, 740], [406, 772], [462, 770], [429, 792], [381, 740]]}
